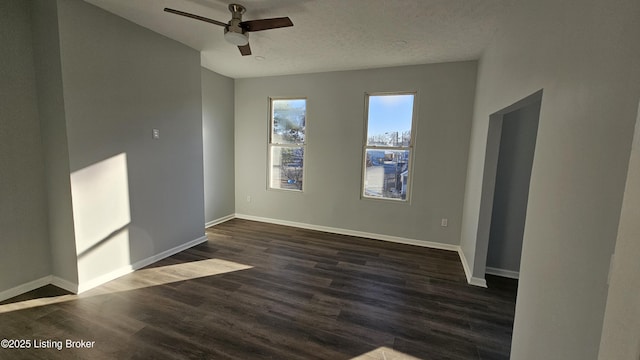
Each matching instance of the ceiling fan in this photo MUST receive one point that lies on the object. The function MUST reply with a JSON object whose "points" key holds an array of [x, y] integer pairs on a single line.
{"points": [[236, 31]]}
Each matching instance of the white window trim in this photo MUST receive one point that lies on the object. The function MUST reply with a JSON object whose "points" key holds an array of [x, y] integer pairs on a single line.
{"points": [[270, 144], [411, 147]]}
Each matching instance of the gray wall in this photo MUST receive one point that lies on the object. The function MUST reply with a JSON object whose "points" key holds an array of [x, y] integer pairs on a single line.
{"points": [[120, 81], [587, 65], [517, 145], [54, 140], [23, 218], [333, 159], [217, 134], [621, 327]]}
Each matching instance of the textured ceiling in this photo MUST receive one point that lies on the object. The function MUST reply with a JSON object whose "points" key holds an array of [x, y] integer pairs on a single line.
{"points": [[327, 35]]}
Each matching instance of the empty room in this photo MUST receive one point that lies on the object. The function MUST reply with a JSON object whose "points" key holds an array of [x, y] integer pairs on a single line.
{"points": [[320, 179]]}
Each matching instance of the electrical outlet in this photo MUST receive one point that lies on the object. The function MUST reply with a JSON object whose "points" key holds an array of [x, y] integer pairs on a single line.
{"points": [[444, 222], [248, 198], [155, 134]]}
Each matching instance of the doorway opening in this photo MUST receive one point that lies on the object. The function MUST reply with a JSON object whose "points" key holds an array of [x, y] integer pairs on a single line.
{"points": [[511, 142]]}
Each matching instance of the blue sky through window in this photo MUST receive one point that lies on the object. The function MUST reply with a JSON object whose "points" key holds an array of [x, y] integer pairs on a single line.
{"points": [[389, 114]]}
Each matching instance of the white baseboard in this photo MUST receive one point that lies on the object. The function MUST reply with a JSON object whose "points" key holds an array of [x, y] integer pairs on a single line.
{"points": [[429, 244], [465, 265], [105, 278], [152, 259], [219, 220], [84, 286], [64, 284], [26, 287], [475, 281], [502, 272], [395, 239]]}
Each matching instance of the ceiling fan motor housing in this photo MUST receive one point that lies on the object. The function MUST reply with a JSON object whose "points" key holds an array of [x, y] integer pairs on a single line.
{"points": [[233, 32]]}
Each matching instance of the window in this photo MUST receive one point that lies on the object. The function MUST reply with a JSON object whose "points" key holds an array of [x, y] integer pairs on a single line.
{"points": [[389, 145], [287, 143]]}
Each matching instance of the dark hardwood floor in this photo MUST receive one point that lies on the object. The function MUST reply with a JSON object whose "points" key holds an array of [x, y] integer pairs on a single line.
{"points": [[263, 291]]}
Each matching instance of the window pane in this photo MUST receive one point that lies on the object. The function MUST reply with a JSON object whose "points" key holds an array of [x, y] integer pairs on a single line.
{"points": [[386, 173], [286, 167], [389, 120], [288, 121]]}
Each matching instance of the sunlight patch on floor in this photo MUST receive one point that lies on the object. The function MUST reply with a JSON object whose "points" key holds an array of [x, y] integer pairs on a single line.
{"points": [[140, 279], [161, 275], [385, 353], [27, 304]]}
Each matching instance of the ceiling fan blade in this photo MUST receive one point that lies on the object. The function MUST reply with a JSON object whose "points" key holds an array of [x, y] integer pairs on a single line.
{"points": [[266, 24], [245, 50], [194, 16]]}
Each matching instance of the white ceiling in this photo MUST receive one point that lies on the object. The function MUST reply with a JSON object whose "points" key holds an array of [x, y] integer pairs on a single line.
{"points": [[327, 35]]}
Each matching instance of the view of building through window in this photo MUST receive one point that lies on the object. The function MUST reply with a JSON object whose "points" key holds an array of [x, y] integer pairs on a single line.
{"points": [[287, 143], [387, 151]]}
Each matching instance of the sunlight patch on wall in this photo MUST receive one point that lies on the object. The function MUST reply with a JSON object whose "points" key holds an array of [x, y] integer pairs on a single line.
{"points": [[101, 215]]}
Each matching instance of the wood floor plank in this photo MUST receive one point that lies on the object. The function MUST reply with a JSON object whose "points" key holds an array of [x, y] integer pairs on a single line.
{"points": [[262, 291]]}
